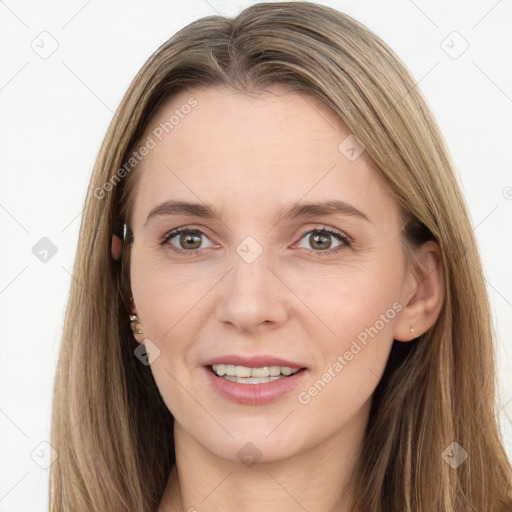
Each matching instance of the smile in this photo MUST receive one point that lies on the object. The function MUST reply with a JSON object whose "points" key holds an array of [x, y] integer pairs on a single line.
{"points": [[248, 375]]}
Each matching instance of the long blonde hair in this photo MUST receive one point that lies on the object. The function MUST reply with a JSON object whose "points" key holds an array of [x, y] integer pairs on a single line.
{"points": [[110, 427]]}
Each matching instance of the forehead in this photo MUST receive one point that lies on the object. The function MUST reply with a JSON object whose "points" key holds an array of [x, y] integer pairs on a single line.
{"points": [[244, 151]]}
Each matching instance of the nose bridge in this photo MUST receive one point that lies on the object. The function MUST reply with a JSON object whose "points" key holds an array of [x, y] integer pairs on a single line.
{"points": [[252, 294], [251, 277], [250, 272]]}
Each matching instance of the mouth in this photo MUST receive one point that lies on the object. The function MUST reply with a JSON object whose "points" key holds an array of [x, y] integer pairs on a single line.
{"points": [[256, 379], [252, 375]]}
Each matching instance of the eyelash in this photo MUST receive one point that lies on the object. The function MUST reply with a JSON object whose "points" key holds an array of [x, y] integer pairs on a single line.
{"points": [[337, 234]]}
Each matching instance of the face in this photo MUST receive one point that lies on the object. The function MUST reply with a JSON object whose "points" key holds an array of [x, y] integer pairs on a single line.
{"points": [[256, 279]]}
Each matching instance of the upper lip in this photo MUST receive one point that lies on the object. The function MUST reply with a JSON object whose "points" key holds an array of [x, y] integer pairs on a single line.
{"points": [[257, 361]]}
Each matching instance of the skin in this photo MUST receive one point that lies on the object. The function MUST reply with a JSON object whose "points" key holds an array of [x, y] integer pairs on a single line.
{"points": [[249, 156]]}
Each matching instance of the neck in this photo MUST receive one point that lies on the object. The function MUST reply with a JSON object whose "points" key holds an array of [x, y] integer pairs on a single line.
{"points": [[317, 480]]}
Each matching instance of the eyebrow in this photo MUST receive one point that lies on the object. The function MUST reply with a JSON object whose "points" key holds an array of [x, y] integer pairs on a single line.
{"points": [[296, 210]]}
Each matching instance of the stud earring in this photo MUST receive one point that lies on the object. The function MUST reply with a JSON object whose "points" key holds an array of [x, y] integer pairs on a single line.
{"points": [[412, 330], [136, 328]]}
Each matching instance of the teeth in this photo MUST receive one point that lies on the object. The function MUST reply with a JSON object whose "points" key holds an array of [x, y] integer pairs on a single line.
{"points": [[242, 371], [266, 371], [249, 374], [274, 371]]}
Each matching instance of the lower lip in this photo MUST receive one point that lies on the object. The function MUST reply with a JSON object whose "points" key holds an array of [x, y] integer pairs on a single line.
{"points": [[255, 394]]}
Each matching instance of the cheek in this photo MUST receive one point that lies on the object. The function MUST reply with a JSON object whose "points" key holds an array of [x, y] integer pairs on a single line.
{"points": [[167, 296], [358, 307], [352, 296], [349, 369], [168, 303]]}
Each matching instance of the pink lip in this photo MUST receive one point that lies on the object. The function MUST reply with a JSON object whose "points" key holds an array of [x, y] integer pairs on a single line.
{"points": [[253, 361]]}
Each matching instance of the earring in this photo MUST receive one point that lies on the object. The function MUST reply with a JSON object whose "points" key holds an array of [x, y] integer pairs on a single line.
{"points": [[136, 328], [412, 330]]}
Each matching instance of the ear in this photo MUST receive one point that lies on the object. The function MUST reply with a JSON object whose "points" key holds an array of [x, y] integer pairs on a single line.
{"points": [[116, 247], [423, 293]]}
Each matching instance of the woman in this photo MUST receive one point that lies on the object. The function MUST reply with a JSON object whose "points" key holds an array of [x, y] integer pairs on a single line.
{"points": [[278, 301]]}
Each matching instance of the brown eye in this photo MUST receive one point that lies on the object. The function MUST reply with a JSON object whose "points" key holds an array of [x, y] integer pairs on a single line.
{"points": [[320, 240], [188, 241], [185, 240]]}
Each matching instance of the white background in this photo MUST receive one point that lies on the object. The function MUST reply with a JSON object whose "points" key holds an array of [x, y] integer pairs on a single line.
{"points": [[55, 112]]}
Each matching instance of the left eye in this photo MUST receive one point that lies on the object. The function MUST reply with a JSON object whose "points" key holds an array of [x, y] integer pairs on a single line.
{"points": [[321, 239]]}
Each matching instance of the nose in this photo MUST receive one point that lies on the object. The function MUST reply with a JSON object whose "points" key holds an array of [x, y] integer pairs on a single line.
{"points": [[252, 297]]}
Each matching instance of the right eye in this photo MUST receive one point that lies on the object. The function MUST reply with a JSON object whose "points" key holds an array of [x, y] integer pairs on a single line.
{"points": [[185, 240]]}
